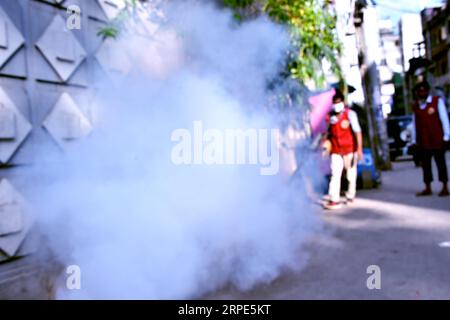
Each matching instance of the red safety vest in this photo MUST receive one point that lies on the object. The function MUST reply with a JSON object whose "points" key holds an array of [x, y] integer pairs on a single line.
{"points": [[429, 131], [341, 134]]}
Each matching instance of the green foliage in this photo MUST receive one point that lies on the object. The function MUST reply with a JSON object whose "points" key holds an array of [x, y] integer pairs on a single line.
{"points": [[238, 3], [108, 32], [311, 25], [111, 30], [312, 31]]}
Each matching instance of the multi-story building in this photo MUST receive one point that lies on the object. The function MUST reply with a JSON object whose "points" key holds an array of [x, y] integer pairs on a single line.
{"points": [[391, 68], [349, 62], [436, 24], [410, 27], [412, 49], [370, 56]]}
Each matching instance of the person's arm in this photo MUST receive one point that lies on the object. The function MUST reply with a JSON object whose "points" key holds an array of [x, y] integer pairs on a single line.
{"points": [[354, 122], [444, 119], [413, 129], [359, 140]]}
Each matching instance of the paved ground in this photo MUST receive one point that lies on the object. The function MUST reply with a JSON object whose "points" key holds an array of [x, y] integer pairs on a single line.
{"points": [[388, 227]]}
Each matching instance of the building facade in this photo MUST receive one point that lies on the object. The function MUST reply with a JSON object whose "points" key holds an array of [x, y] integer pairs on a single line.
{"points": [[436, 25], [345, 27], [411, 41], [391, 68], [50, 56]]}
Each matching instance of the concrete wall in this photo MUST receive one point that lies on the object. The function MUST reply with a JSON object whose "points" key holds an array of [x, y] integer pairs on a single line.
{"points": [[46, 97]]}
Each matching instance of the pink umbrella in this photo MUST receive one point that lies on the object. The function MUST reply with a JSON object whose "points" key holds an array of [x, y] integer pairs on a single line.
{"points": [[321, 106]]}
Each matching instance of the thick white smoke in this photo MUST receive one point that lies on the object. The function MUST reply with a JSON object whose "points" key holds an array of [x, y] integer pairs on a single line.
{"points": [[138, 225]]}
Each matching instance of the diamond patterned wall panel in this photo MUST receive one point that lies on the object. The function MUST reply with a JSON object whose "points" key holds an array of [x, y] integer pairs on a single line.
{"points": [[150, 21], [66, 123], [61, 48], [15, 223], [14, 127], [112, 59], [10, 38], [111, 8]]}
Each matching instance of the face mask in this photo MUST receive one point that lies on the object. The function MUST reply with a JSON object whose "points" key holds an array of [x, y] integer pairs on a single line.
{"points": [[338, 107]]}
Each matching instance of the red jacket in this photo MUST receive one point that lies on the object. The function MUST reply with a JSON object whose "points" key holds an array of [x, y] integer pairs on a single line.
{"points": [[340, 133], [429, 131]]}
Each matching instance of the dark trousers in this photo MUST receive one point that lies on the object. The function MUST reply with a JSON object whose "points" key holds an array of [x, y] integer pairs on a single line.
{"points": [[439, 157]]}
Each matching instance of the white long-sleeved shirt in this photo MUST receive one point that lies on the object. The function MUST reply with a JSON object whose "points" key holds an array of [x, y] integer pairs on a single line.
{"points": [[442, 115], [354, 122]]}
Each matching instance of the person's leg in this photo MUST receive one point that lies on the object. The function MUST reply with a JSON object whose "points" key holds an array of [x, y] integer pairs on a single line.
{"points": [[334, 190], [352, 174], [439, 157], [425, 157]]}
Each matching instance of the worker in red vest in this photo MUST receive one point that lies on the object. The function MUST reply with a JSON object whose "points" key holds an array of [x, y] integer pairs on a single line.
{"points": [[431, 133], [345, 140]]}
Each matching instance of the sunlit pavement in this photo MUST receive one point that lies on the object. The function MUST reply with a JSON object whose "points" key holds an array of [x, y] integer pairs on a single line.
{"points": [[389, 227]]}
